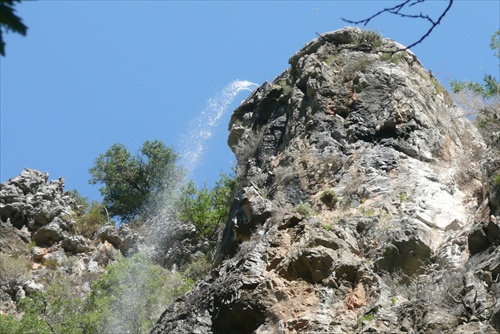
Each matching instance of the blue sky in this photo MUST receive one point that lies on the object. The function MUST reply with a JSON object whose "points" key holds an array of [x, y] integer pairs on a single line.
{"points": [[93, 73]]}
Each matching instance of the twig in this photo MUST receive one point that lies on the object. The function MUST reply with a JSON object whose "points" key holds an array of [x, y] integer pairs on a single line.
{"points": [[396, 10]]}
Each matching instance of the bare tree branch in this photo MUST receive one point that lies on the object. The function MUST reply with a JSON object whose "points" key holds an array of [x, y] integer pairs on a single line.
{"points": [[397, 10]]}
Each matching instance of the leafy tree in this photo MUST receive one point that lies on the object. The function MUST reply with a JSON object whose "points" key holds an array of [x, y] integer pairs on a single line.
{"points": [[206, 208], [490, 87], [9, 21], [131, 181], [482, 99]]}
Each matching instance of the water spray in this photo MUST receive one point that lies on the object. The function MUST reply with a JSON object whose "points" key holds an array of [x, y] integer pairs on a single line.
{"points": [[201, 129]]}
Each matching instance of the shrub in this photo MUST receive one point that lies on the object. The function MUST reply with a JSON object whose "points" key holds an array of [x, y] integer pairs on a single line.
{"points": [[14, 270], [286, 86], [437, 85], [304, 209], [328, 61], [328, 227], [368, 38], [51, 263], [197, 268], [363, 318], [496, 180], [94, 217], [206, 208], [132, 294], [367, 212], [394, 58], [360, 64], [329, 197]]}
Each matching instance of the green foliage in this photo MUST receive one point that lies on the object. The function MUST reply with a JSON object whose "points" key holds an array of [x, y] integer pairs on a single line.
{"points": [[287, 87], [363, 318], [483, 100], [14, 270], [490, 86], [403, 197], [304, 209], [394, 58], [393, 301], [9, 21], [31, 323], [437, 85], [56, 310], [488, 89], [368, 39], [361, 64], [329, 197], [328, 61], [206, 208], [89, 217], [197, 269], [496, 180], [495, 43], [132, 181], [367, 212], [51, 263], [328, 227], [131, 296]]}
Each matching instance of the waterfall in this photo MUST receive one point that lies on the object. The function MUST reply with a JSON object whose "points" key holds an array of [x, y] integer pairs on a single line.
{"points": [[162, 228], [201, 129]]}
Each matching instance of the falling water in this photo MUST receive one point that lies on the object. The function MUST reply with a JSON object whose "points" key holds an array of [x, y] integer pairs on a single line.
{"points": [[162, 228], [202, 128]]}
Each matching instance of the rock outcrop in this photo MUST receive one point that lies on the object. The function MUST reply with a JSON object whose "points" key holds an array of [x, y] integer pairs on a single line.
{"points": [[38, 239], [361, 205]]}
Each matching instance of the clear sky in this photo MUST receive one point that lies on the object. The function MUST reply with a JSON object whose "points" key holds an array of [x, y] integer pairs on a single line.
{"points": [[93, 73]]}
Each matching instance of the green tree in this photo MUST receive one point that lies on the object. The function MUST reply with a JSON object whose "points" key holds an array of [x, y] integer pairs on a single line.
{"points": [[482, 99], [130, 182], [490, 86], [206, 208], [9, 21]]}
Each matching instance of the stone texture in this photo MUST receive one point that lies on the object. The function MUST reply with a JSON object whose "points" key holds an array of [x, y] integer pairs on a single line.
{"points": [[37, 228], [400, 251]]}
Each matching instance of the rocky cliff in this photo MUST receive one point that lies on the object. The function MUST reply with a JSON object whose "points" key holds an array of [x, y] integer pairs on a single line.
{"points": [[40, 240], [362, 205]]}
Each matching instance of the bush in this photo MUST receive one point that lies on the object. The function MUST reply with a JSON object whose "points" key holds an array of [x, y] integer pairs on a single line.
{"points": [[14, 270], [394, 58], [131, 296], [496, 180], [206, 208], [329, 197], [304, 209], [368, 38], [197, 269]]}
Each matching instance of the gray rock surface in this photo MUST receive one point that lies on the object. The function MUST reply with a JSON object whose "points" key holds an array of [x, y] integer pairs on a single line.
{"points": [[402, 250], [37, 231]]}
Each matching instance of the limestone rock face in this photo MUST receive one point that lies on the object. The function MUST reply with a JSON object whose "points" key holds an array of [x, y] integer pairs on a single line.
{"points": [[361, 206], [30, 200], [37, 231]]}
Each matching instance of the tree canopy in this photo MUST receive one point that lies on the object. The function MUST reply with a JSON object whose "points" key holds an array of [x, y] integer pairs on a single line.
{"points": [[130, 182], [9, 21]]}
